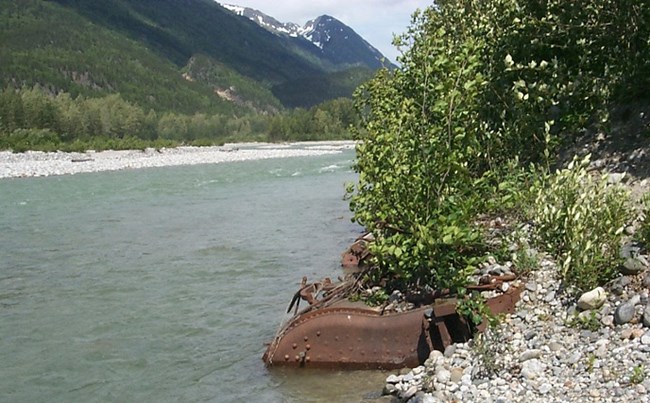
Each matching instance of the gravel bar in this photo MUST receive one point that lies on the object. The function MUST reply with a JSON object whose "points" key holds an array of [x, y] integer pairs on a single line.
{"points": [[38, 163]]}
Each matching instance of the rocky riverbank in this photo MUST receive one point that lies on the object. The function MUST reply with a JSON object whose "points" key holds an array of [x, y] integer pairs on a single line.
{"points": [[553, 349], [36, 163], [558, 347]]}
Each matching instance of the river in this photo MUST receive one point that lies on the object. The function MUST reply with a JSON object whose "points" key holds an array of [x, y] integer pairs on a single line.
{"points": [[163, 284]]}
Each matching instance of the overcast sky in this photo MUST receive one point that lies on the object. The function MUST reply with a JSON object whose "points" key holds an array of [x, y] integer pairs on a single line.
{"points": [[375, 20]]}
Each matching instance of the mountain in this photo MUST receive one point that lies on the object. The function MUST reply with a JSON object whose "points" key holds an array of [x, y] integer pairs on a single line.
{"points": [[265, 21], [186, 56], [336, 42], [340, 44]]}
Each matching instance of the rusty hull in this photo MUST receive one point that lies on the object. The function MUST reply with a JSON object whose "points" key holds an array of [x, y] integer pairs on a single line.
{"points": [[359, 337], [346, 337]]}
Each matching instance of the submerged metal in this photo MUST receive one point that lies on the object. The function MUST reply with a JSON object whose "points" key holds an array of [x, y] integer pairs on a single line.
{"points": [[354, 336], [332, 332]]}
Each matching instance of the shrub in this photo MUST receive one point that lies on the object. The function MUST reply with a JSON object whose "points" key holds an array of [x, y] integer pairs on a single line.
{"points": [[581, 220], [482, 83]]}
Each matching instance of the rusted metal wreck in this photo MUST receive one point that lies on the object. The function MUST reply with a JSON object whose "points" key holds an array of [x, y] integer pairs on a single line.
{"points": [[334, 332]]}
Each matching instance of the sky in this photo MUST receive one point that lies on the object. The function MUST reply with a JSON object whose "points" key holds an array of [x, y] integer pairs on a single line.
{"points": [[375, 20]]}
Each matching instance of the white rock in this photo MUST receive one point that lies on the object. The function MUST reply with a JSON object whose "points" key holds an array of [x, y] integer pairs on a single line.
{"points": [[592, 299], [443, 375]]}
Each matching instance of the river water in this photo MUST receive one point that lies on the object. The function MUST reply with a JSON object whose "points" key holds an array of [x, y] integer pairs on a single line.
{"points": [[163, 284]]}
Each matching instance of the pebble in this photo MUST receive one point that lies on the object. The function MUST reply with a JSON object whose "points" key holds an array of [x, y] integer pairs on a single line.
{"points": [[592, 299], [634, 265], [645, 339], [530, 354], [624, 313]]}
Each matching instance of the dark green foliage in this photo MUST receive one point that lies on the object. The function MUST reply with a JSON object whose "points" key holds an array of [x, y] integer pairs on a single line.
{"points": [[34, 119], [313, 90], [483, 85], [331, 120], [241, 90]]}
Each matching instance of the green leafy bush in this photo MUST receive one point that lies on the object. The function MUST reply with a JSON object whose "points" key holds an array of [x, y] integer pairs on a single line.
{"points": [[487, 85], [581, 220]]}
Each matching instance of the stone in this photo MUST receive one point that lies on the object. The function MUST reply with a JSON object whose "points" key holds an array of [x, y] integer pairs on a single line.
{"points": [[646, 316], [531, 286], [634, 265], [530, 354], [645, 339], [624, 313], [532, 368], [626, 334], [435, 354], [389, 389], [607, 320], [422, 397], [545, 388], [392, 378], [555, 346], [575, 357], [450, 350], [646, 280], [443, 375], [637, 333], [550, 296], [592, 299], [456, 375], [618, 285], [409, 393], [629, 250]]}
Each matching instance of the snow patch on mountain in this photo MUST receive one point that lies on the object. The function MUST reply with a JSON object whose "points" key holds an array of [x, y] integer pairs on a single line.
{"points": [[337, 42]]}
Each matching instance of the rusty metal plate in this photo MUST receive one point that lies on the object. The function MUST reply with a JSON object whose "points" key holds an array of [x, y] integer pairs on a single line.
{"points": [[351, 338], [363, 338]]}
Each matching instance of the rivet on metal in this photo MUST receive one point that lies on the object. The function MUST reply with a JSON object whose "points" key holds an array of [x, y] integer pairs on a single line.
{"points": [[294, 345], [286, 357], [306, 338], [308, 346]]}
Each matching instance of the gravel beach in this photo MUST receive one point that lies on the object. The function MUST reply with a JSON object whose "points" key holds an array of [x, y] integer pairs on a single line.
{"points": [[549, 350], [37, 163]]}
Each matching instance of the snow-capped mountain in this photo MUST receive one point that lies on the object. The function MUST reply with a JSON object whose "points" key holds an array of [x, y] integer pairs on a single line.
{"points": [[338, 43], [265, 21]]}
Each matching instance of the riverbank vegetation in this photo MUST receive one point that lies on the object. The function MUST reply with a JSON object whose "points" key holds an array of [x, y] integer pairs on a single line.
{"points": [[472, 125], [34, 119]]}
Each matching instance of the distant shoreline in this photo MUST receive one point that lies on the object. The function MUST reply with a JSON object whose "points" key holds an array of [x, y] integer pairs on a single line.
{"points": [[39, 164]]}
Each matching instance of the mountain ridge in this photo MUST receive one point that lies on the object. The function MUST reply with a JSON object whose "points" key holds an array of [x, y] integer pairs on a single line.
{"points": [[337, 42], [147, 51]]}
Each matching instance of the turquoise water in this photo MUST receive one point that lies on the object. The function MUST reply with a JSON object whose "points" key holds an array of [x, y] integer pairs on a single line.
{"points": [[163, 284]]}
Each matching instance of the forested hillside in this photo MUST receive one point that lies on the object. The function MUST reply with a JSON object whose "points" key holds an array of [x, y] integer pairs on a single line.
{"points": [[167, 70]]}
